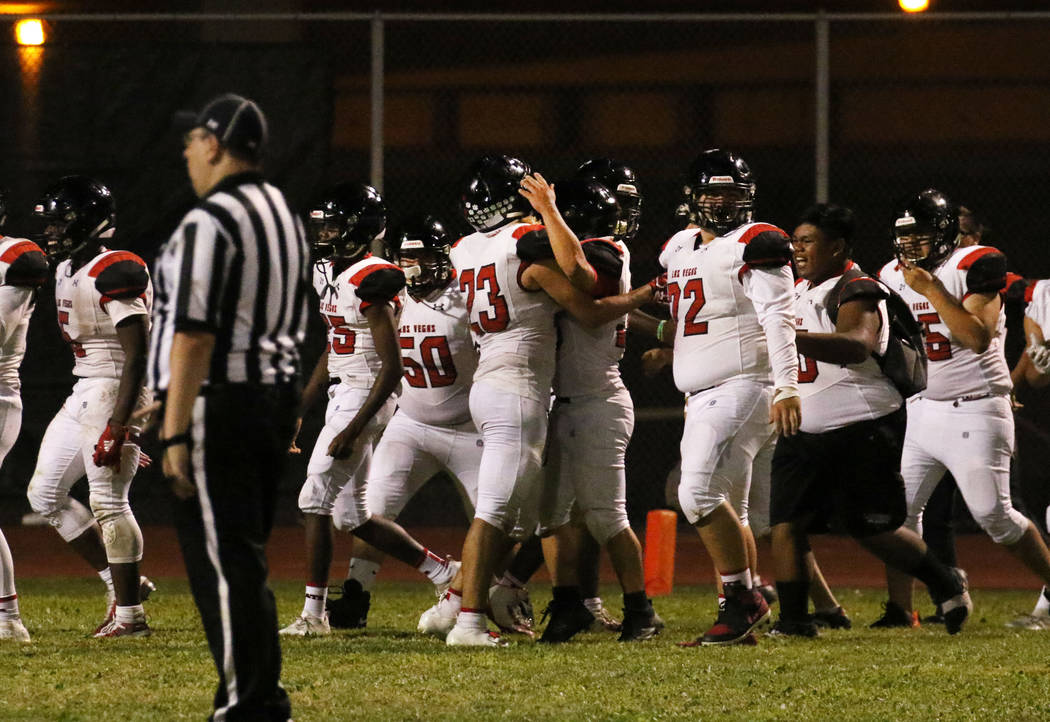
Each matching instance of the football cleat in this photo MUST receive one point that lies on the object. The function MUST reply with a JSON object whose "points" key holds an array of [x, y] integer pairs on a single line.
{"points": [[471, 637], [957, 609], [833, 619], [768, 591], [638, 626], [604, 620], [436, 621], [350, 609], [146, 587], [784, 628], [307, 625], [441, 589], [511, 609], [12, 628], [1033, 622], [115, 628], [745, 611], [895, 617], [567, 620]]}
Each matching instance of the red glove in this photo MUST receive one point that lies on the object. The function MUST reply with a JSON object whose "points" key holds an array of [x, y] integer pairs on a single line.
{"points": [[659, 286], [107, 449]]}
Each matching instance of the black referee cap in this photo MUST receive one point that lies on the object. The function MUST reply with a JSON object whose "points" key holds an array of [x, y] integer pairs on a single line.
{"points": [[236, 121]]}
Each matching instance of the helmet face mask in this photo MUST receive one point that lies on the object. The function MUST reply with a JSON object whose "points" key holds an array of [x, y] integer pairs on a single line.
{"points": [[73, 214], [421, 248], [588, 207], [621, 181], [490, 198], [926, 232], [721, 191], [346, 221]]}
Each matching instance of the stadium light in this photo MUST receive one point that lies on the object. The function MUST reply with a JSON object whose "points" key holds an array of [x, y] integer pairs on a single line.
{"points": [[914, 6], [30, 31]]}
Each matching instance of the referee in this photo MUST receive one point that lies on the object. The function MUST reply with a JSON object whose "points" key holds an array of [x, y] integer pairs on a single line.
{"points": [[229, 315]]}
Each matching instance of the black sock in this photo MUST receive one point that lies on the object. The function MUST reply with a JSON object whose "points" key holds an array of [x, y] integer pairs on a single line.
{"points": [[930, 571], [794, 600], [636, 602], [567, 595]]}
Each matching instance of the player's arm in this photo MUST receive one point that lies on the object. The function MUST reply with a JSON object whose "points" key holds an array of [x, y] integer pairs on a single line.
{"points": [[547, 276], [381, 323], [568, 251], [855, 338], [315, 386], [191, 351]]}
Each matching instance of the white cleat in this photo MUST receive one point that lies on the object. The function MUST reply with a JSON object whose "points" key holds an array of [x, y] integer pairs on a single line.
{"points": [[471, 637], [1033, 622], [435, 621], [13, 629], [146, 587], [511, 609], [307, 625], [441, 589]]}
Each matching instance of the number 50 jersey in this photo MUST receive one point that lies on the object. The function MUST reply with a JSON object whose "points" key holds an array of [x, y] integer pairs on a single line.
{"points": [[439, 357]]}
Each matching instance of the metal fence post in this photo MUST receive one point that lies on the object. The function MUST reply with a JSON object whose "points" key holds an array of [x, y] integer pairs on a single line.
{"points": [[376, 157], [822, 89]]}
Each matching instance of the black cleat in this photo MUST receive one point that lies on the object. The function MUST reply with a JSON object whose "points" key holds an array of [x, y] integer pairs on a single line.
{"points": [[833, 619], [639, 626], [895, 617], [350, 610], [566, 621], [785, 628], [956, 610]]}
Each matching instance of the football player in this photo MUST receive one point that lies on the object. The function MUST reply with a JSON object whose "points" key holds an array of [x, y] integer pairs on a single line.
{"points": [[359, 302], [963, 421], [852, 418], [431, 431], [513, 293], [104, 299], [730, 290], [23, 269], [592, 417]]}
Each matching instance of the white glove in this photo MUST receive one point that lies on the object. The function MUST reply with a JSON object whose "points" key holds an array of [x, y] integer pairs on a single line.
{"points": [[1040, 355]]}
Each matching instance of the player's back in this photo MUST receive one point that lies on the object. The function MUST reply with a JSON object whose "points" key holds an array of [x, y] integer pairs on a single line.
{"points": [[514, 327], [23, 269], [439, 358], [954, 370], [718, 335], [352, 356], [92, 300]]}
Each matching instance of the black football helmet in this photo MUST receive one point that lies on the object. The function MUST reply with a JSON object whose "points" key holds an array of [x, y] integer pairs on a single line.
{"points": [[722, 191], [420, 246], [926, 230], [346, 221], [73, 213], [622, 181], [588, 208], [490, 197]]}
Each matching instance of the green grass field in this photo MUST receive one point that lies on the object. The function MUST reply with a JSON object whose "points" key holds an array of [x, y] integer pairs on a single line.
{"points": [[388, 672]]}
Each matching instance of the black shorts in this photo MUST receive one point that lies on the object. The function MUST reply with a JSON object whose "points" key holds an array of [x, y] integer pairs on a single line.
{"points": [[850, 475]]}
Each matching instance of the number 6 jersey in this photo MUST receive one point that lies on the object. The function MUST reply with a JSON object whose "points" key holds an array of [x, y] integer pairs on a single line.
{"points": [[352, 356]]}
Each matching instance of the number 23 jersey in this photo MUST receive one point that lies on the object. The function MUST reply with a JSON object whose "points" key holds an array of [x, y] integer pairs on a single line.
{"points": [[955, 371], [352, 356]]}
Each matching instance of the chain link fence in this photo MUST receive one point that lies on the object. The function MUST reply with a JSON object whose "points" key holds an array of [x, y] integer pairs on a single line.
{"points": [[866, 109]]}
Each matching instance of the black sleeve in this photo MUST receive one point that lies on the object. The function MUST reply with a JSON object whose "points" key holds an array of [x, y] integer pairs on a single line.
{"points": [[535, 246], [987, 274], [768, 249], [605, 258], [123, 279], [863, 287], [30, 269], [381, 285]]}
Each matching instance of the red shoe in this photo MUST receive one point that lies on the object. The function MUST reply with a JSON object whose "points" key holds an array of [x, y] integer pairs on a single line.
{"points": [[745, 611]]}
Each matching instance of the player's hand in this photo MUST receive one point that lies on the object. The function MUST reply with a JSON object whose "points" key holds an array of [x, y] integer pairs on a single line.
{"points": [[146, 416], [786, 416], [109, 444], [293, 448], [342, 446], [144, 459], [539, 193], [1039, 353], [919, 279], [659, 289], [656, 360], [176, 468]]}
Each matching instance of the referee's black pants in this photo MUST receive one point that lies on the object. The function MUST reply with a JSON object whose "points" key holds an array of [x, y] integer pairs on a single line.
{"points": [[240, 441]]}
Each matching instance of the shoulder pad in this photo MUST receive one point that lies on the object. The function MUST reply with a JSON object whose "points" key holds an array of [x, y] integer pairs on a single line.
{"points": [[533, 244], [985, 271], [862, 287], [378, 283], [1018, 289], [605, 257], [770, 247], [120, 275], [26, 265]]}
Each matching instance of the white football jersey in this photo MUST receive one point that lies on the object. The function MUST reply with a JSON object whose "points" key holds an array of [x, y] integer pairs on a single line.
{"points": [[713, 295], [17, 299], [955, 371], [835, 395], [439, 357], [589, 358], [352, 356], [514, 327], [92, 300], [1039, 306]]}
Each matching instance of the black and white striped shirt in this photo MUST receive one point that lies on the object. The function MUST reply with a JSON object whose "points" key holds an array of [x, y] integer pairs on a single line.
{"points": [[237, 266]]}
